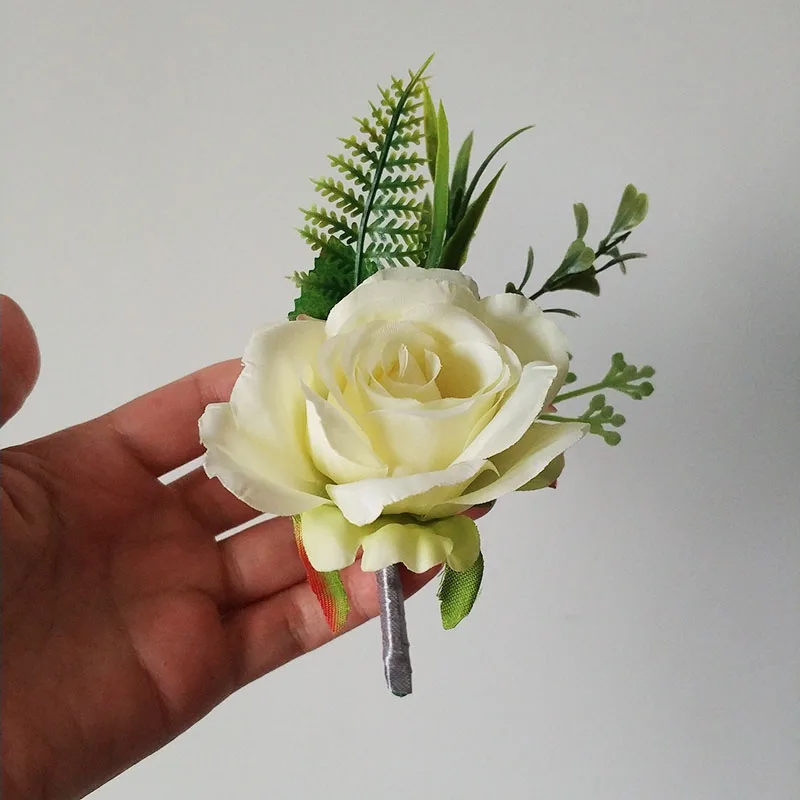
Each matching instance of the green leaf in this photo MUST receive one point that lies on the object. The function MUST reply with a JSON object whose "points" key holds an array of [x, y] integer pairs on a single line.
{"points": [[578, 258], [458, 184], [621, 259], [565, 311], [583, 282], [399, 121], [441, 198], [581, 219], [455, 251], [431, 131], [528, 269], [458, 592], [474, 183], [371, 202], [327, 283], [632, 210], [640, 209]]}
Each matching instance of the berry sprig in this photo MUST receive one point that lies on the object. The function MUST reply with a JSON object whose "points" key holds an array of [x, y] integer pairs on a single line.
{"points": [[602, 417]]}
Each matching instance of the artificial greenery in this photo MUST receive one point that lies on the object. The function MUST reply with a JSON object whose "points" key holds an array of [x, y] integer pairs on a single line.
{"points": [[580, 266], [371, 216], [374, 215], [621, 377]]}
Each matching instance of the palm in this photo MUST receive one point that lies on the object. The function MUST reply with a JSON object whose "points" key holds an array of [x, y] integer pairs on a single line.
{"points": [[123, 618]]}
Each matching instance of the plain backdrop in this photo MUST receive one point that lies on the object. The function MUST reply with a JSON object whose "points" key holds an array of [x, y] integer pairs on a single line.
{"points": [[638, 633]]}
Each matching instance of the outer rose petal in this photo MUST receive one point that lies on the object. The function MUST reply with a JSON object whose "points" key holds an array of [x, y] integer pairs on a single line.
{"points": [[518, 465], [390, 293], [267, 398], [420, 546], [517, 413], [251, 470], [363, 502], [524, 327], [547, 477], [330, 541]]}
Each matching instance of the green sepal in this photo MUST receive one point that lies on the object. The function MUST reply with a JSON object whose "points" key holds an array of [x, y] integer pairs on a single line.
{"points": [[458, 592], [455, 251]]}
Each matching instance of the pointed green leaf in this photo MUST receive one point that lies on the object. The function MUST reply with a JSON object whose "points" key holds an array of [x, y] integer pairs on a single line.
{"points": [[458, 592], [441, 190], [528, 269], [565, 311], [455, 251], [458, 185], [582, 282], [621, 259], [431, 134], [581, 219], [482, 168]]}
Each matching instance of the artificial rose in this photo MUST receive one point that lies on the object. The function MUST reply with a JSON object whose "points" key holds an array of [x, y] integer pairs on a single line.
{"points": [[415, 397]]}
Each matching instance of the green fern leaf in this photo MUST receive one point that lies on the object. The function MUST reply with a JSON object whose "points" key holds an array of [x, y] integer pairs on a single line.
{"points": [[371, 210]]}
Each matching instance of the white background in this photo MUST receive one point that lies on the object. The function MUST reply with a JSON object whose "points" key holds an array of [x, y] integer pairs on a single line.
{"points": [[638, 634]]}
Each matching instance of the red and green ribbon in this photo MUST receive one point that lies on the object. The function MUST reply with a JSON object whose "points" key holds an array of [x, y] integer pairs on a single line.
{"points": [[327, 586]]}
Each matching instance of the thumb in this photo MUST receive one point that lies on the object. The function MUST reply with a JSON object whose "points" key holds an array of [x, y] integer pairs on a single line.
{"points": [[19, 358]]}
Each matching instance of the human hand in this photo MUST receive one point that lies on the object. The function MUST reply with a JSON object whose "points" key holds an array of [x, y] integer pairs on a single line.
{"points": [[124, 620]]}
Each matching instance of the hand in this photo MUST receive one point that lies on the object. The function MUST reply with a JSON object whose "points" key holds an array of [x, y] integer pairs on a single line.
{"points": [[124, 620]]}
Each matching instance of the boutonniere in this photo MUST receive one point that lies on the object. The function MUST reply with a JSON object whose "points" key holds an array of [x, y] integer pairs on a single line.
{"points": [[397, 397]]}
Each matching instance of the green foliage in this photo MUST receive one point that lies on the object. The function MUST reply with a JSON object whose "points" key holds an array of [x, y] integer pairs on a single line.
{"points": [[326, 284], [455, 251], [451, 217], [601, 417], [370, 216], [458, 592], [581, 264], [441, 190]]}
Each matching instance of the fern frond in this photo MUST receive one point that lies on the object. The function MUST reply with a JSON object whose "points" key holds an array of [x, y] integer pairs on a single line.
{"points": [[340, 195], [332, 223], [371, 217]]}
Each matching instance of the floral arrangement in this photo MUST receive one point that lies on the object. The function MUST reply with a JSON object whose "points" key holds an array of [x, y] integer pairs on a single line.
{"points": [[396, 398]]}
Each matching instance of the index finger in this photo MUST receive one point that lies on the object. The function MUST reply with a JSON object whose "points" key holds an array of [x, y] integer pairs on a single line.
{"points": [[160, 427]]}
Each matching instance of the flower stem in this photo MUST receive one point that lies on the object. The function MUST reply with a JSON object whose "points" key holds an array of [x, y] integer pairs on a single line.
{"points": [[595, 387], [556, 418], [396, 655]]}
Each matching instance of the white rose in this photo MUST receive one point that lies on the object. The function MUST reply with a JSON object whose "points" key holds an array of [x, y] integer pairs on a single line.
{"points": [[416, 397]]}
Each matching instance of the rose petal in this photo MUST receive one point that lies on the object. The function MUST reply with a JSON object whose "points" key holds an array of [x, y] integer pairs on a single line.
{"points": [[420, 546], [517, 465], [547, 477], [363, 502], [390, 293], [330, 541], [267, 399], [517, 413], [251, 470], [339, 449], [526, 329]]}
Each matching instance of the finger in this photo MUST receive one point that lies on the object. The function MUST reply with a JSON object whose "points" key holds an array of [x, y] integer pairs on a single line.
{"points": [[260, 561], [210, 503], [160, 428], [266, 635], [19, 358]]}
